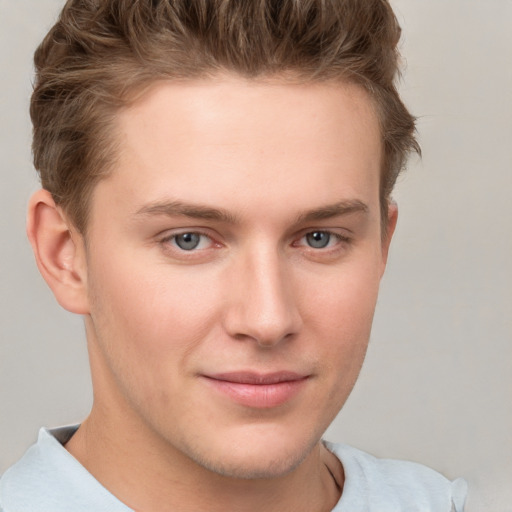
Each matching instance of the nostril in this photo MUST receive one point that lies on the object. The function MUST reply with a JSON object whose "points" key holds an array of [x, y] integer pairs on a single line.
{"points": [[277, 341]]}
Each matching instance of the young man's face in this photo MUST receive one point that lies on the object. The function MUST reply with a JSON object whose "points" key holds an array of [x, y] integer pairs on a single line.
{"points": [[233, 263]]}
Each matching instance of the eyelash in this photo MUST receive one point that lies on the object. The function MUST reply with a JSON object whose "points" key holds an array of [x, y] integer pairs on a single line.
{"points": [[171, 239], [339, 239]]}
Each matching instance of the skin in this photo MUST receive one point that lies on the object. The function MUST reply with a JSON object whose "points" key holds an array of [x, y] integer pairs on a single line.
{"points": [[254, 168]]}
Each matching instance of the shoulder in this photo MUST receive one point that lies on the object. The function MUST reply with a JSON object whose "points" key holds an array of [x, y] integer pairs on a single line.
{"points": [[48, 478], [385, 485]]}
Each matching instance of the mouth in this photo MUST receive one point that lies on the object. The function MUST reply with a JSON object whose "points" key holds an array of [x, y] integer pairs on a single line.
{"points": [[257, 390]]}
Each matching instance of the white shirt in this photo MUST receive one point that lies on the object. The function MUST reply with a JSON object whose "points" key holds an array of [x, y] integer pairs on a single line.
{"points": [[49, 479]]}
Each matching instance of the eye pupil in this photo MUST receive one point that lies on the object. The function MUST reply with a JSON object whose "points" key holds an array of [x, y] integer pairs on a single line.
{"points": [[318, 239], [188, 241]]}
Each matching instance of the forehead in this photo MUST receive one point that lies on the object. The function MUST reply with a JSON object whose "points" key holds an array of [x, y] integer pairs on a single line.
{"points": [[261, 141], [225, 108]]}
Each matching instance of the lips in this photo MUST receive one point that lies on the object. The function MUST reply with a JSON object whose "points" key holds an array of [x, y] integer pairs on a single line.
{"points": [[256, 390]]}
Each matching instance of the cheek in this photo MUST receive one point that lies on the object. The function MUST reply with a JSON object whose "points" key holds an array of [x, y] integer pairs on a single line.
{"points": [[148, 302], [339, 314], [149, 318], [343, 300]]}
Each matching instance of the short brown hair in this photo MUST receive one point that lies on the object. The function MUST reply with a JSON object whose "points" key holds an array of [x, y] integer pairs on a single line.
{"points": [[102, 52]]}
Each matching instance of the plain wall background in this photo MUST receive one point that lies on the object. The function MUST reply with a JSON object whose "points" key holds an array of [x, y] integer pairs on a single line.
{"points": [[437, 384]]}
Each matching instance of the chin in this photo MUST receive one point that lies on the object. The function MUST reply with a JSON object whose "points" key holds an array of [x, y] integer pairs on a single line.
{"points": [[259, 457], [251, 468]]}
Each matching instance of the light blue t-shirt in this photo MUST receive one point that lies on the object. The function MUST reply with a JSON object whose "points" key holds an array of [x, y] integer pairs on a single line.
{"points": [[49, 479]]}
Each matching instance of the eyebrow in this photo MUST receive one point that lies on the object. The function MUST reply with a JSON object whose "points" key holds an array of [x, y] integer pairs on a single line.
{"points": [[198, 211], [195, 211], [333, 210]]}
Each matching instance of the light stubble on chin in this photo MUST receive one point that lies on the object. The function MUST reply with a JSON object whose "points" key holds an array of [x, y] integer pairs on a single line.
{"points": [[270, 469]]}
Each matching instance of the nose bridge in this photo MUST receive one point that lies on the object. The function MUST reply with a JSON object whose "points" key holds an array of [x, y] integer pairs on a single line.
{"points": [[263, 306]]}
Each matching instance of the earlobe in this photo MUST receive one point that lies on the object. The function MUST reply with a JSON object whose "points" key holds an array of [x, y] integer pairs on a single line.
{"points": [[390, 229], [59, 252]]}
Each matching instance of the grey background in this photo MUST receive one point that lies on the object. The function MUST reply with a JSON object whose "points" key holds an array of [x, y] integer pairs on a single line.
{"points": [[437, 384]]}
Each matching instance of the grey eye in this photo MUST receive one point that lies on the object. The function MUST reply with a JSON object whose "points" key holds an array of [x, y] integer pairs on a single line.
{"points": [[318, 239], [188, 241]]}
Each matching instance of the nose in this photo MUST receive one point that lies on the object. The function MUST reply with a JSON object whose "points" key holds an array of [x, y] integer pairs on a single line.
{"points": [[262, 304]]}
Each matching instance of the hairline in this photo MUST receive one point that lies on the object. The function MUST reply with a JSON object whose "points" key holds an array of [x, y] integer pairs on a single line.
{"points": [[137, 92]]}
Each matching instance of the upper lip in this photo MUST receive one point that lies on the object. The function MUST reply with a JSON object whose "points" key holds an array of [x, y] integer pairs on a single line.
{"points": [[248, 377]]}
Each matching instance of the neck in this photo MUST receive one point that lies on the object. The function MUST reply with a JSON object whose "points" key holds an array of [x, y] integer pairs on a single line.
{"points": [[147, 474]]}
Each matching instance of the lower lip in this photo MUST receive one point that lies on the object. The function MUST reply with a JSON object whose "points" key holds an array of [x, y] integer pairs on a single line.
{"points": [[260, 396]]}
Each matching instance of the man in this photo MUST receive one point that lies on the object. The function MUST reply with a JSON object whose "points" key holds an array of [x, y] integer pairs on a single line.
{"points": [[216, 204]]}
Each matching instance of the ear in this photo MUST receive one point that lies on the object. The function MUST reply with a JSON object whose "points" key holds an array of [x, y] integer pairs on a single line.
{"points": [[59, 252], [390, 229]]}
